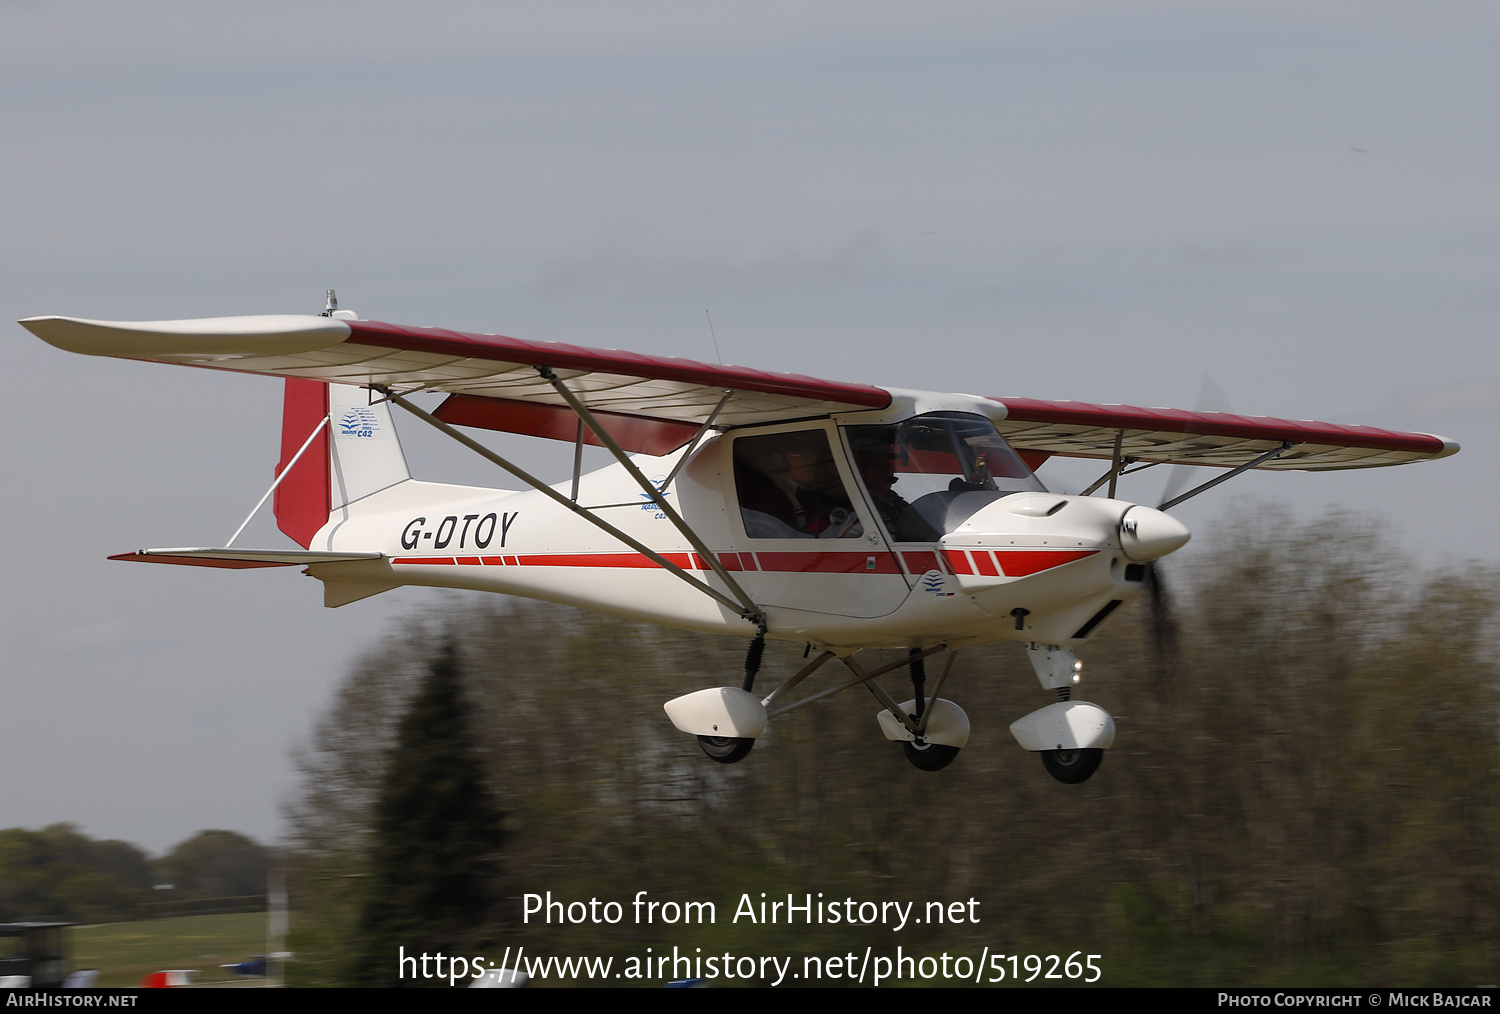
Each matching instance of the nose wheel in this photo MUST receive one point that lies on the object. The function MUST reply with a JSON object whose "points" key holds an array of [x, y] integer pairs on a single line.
{"points": [[1070, 766], [726, 749]]}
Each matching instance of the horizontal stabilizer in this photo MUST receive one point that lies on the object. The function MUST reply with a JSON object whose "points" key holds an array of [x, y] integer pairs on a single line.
{"points": [[239, 559]]}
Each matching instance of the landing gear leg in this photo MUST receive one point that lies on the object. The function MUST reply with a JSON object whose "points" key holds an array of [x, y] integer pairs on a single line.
{"points": [[753, 655], [918, 667], [922, 755]]}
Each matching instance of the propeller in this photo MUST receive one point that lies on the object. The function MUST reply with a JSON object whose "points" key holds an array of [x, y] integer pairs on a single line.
{"points": [[1211, 398], [1163, 628], [1163, 619]]}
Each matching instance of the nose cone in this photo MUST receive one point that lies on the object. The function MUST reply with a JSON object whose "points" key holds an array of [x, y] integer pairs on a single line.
{"points": [[1147, 534]]}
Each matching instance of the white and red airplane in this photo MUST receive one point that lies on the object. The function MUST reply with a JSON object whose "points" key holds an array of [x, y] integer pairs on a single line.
{"points": [[740, 502]]}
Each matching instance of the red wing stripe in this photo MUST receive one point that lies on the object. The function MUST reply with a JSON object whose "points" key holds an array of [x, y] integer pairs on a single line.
{"points": [[498, 348], [1223, 424]]}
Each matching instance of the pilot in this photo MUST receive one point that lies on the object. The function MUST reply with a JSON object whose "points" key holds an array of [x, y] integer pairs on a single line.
{"points": [[874, 459]]}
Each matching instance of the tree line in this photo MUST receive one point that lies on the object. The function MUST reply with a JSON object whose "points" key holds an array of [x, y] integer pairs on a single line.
{"points": [[1303, 789], [59, 874]]}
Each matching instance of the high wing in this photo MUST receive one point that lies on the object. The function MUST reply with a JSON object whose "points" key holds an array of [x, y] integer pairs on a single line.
{"points": [[654, 404], [1039, 429]]}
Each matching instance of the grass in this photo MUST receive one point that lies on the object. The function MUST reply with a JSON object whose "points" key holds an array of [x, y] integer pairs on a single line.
{"points": [[124, 952]]}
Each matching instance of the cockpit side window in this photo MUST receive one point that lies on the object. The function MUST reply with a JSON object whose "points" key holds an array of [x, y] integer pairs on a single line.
{"points": [[788, 487]]}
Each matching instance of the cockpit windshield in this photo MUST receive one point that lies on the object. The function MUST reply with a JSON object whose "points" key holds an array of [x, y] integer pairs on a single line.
{"points": [[925, 476]]}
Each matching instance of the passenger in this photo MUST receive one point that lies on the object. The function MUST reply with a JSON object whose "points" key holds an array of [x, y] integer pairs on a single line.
{"points": [[792, 496]]}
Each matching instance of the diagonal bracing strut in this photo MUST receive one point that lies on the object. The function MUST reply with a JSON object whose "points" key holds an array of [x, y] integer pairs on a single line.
{"points": [[886, 700], [658, 495], [745, 607], [1286, 445]]}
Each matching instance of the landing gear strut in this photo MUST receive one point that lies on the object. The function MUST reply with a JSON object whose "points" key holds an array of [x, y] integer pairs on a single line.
{"points": [[930, 730], [922, 755]]}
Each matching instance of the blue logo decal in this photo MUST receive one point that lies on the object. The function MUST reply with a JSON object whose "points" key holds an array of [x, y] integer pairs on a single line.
{"points": [[935, 584], [650, 502], [359, 421]]}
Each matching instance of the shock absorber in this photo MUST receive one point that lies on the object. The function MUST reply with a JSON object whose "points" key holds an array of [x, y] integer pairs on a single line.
{"points": [[918, 667], [753, 655]]}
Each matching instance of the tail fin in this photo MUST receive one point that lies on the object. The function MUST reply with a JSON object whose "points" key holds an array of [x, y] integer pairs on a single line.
{"points": [[358, 454], [302, 500]]}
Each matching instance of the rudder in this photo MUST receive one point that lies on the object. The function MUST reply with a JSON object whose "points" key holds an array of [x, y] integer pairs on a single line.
{"points": [[302, 500]]}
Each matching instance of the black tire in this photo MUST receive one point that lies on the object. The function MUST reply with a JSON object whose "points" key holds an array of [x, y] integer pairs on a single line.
{"points": [[929, 756], [1072, 766], [726, 749]]}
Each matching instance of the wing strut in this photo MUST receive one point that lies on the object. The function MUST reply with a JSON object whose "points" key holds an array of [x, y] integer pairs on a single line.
{"points": [[1118, 467], [1286, 445], [1116, 462], [693, 443], [651, 491], [745, 607]]}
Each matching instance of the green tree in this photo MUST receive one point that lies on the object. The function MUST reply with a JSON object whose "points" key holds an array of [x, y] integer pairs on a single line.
{"points": [[437, 835], [58, 873], [216, 864]]}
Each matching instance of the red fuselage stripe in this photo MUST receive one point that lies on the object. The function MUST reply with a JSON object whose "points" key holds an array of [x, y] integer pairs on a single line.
{"points": [[1023, 562], [1012, 563]]}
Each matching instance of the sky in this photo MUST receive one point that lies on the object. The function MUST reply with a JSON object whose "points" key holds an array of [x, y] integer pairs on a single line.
{"points": [[1132, 202]]}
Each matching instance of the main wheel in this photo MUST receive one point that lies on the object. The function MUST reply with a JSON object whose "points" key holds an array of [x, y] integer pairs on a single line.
{"points": [[1071, 766], [929, 756], [726, 749]]}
